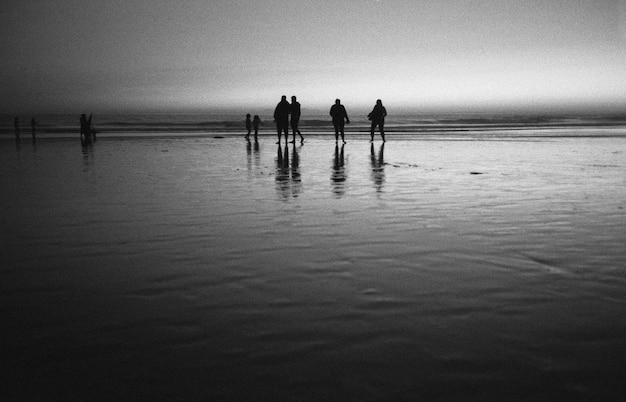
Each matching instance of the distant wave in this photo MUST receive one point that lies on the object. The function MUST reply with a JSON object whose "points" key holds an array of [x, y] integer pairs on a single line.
{"points": [[168, 125], [199, 124]]}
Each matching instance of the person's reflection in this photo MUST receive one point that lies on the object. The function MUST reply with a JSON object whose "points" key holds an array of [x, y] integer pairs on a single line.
{"points": [[338, 174], [378, 167], [296, 179], [288, 178], [282, 172], [257, 155], [87, 151], [253, 158], [249, 158]]}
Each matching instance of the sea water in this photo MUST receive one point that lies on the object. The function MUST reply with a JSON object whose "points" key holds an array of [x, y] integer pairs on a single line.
{"points": [[200, 268], [407, 123]]}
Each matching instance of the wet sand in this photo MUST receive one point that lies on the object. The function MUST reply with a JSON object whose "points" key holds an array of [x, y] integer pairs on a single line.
{"points": [[205, 268]]}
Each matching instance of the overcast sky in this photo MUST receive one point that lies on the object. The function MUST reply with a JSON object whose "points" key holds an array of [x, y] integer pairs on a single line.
{"points": [[101, 55]]}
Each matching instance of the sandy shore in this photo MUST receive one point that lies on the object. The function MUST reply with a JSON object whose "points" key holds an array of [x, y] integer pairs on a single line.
{"points": [[211, 268]]}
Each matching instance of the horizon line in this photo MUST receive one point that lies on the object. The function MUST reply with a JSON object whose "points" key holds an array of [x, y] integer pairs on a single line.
{"points": [[545, 108]]}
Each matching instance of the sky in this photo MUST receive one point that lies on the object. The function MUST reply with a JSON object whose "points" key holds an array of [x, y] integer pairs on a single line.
{"points": [[135, 55]]}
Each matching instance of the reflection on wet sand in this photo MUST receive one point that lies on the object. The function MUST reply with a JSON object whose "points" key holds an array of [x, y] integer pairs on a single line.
{"points": [[253, 157], [338, 174], [288, 177], [161, 258], [378, 167], [296, 179], [87, 151]]}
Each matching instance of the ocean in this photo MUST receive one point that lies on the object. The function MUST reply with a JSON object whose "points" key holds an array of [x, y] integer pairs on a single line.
{"points": [[466, 258], [408, 124]]}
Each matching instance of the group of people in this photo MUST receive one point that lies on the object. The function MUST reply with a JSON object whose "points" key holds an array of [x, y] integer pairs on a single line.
{"points": [[288, 114], [340, 119], [16, 126], [282, 113], [254, 123], [87, 131]]}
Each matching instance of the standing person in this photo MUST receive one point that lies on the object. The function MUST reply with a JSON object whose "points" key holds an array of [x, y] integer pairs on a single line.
{"points": [[32, 127], [377, 117], [248, 126], [339, 114], [295, 119], [16, 125], [281, 117], [85, 129], [255, 123]]}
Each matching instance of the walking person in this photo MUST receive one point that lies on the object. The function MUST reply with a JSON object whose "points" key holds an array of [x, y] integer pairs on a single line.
{"points": [[340, 119], [281, 117], [295, 119], [377, 117], [248, 126], [85, 129], [255, 123]]}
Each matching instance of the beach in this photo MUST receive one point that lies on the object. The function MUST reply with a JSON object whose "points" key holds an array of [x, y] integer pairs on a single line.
{"points": [[203, 267]]}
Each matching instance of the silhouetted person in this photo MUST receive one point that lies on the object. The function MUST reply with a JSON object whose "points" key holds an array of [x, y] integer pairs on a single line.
{"points": [[255, 123], [85, 129], [248, 126], [295, 119], [340, 118], [281, 117], [377, 116], [16, 125], [32, 128], [378, 167]]}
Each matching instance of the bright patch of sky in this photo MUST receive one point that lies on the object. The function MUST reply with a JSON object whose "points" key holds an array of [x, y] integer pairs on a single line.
{"points": [[137, 54]]}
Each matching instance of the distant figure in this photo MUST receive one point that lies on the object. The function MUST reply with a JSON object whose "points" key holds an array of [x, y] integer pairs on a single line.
{"points": [[377, 116], [281, 117], [16, 125], [32, 127], [255, 123], [248, 126], [85, 129], [338, 112], [295, 119], [83, 125]]}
